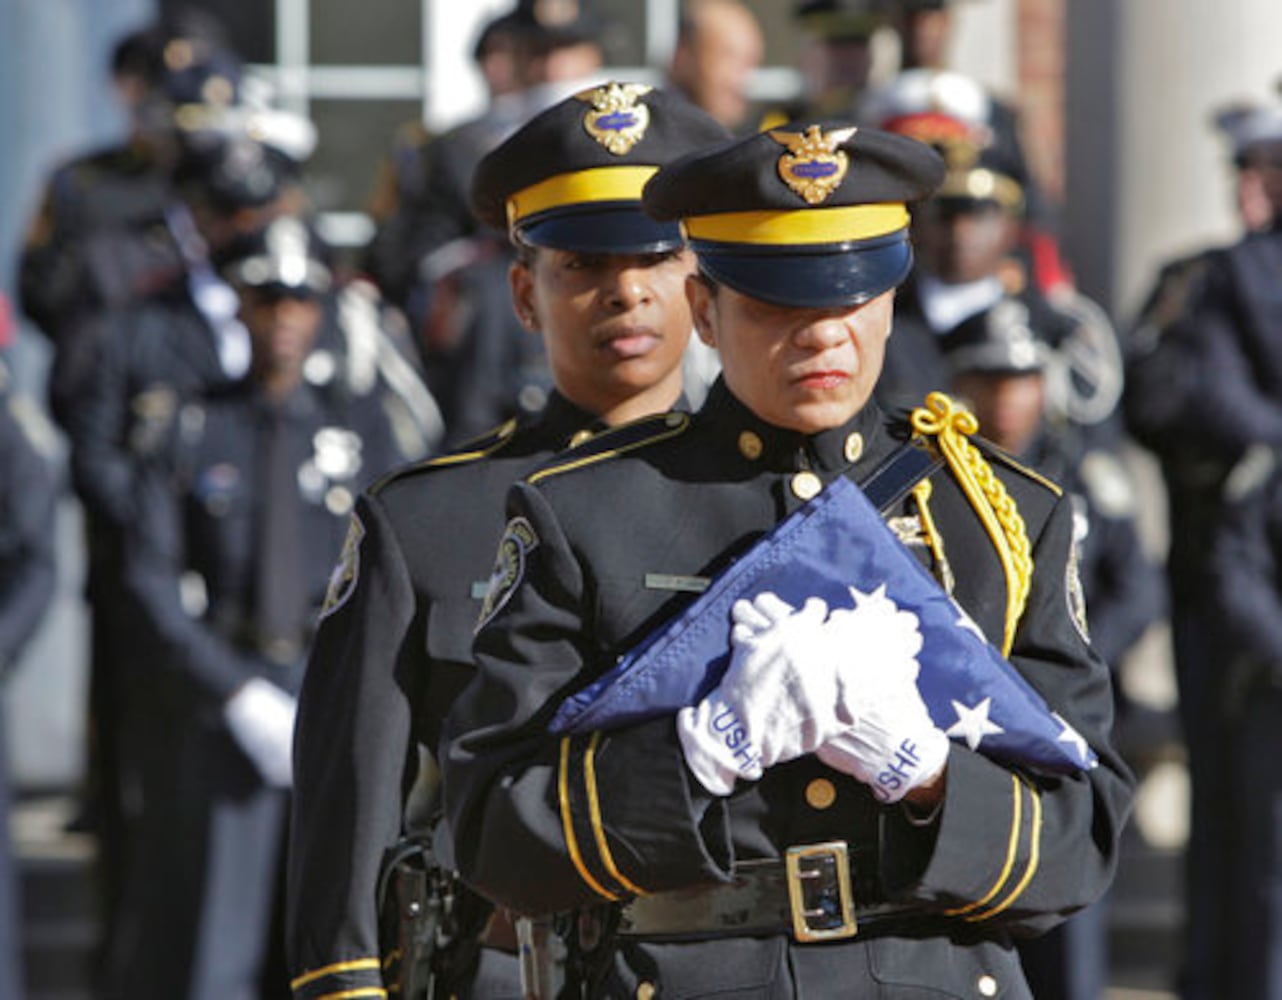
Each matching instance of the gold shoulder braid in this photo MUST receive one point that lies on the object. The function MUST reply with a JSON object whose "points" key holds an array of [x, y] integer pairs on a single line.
{"points": [[951, 425], [943, 569]]}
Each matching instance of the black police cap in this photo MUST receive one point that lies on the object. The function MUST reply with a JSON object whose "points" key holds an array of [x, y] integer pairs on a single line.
{"points": [[999, 340], [840, 20], [234, 173], [571, 177], [286, 254], [804, 215]]}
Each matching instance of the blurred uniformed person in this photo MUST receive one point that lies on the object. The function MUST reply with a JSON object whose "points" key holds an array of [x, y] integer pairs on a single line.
{"points": [[672, 872], [448, 271], [1204, 384], [239, 516], [719, 44], [147, 353], [999, 366], [100, 239], [968, 244], [28, 503], [1248, 595], [604, 286]]}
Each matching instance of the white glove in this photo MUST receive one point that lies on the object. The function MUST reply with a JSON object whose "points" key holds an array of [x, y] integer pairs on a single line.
{"points": [[891, 744], [777, 700], [261, 719]]}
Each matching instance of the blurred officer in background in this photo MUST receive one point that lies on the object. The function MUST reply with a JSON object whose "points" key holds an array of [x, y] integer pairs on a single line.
{"points": [[239, 516], [967, 240], [671, 857], [542, 45], [448, 272], [1204, 384], [999, 366], [924, 29], [1247, 568], [146, 353], [604, 286], [99, 239], [28, 503], [719, 44]]}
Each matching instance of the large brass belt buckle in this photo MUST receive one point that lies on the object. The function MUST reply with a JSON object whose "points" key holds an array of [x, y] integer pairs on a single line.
{"points": [[819, 892]]}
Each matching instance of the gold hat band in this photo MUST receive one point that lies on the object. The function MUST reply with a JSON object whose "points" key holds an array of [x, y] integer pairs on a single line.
{"points": [[800, 227], [582, 186]]}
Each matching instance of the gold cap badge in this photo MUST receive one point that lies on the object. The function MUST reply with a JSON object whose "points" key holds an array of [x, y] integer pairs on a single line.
{"points": [[616, 120], [813, 165]]}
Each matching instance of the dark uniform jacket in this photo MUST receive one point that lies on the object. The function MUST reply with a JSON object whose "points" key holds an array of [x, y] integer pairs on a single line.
{"points": [[393, 650], [1124, 588], [195, 543], [1247, 563], [598, 545]]}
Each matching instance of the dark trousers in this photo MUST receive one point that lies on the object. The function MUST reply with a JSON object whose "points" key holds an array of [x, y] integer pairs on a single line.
{"points": [[1212, 840], [1254, 916]]}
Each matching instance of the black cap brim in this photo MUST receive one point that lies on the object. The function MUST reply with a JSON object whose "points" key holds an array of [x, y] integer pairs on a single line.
{"points": [[623, 229], [815, 278]]}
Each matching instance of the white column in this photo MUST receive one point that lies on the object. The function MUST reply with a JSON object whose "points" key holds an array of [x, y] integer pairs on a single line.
{"points": [[1148, 176]]}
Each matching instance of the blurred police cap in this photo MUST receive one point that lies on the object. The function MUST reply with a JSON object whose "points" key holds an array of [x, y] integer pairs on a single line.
{"points": [[999, 340], [286, 255]]}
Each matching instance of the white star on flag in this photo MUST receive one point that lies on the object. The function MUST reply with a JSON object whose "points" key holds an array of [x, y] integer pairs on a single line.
{"points": [[973, 724], [968, 623], [1071, 736]]}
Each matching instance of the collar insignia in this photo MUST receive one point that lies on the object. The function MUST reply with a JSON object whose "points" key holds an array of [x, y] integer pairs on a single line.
{"points": [[813, 165], [617, 121]]}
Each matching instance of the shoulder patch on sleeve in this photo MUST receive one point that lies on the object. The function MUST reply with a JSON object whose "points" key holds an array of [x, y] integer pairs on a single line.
{"points": [[342, 581], [1251, 472], [518, 541], [616, 441]]}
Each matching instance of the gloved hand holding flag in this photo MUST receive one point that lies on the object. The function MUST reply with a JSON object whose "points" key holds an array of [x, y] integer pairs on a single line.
{"points": [[836, 548]]}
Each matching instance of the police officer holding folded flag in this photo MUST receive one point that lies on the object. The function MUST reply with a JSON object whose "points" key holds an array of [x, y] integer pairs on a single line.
{"points": [[814, 821]]}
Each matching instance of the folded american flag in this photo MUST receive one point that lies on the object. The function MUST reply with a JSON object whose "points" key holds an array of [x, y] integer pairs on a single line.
{"points": [[833, 543]]}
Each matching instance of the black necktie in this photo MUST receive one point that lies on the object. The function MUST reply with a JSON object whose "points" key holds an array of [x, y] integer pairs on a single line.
{"points": [[280, 592]]}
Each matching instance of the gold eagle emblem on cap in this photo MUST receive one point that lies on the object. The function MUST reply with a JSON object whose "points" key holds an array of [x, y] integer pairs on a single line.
{"points": [[617, 121], [813, 165]]}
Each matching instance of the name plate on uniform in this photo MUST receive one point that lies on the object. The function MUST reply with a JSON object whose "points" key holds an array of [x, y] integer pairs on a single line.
{"points": [[670, 581]]}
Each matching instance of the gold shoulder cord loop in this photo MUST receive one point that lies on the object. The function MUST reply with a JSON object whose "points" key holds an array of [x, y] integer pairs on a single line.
{"points": [[944, 569], [951, 425]]}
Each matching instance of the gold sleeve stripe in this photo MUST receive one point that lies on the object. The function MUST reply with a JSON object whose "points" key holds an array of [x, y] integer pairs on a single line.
{"points": [[598, 828], [567, 824], [355, 965], [363, 991], [1034, 856], [675, 423], [1011, 850]]}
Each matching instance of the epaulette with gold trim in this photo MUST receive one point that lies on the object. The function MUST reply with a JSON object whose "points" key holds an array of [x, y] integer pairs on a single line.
{"points": [[616, 441], [484, 446], [951, 426], [992, 451]]}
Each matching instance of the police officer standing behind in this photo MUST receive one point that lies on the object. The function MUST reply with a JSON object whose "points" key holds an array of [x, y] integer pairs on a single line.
{"points": [[1246, 553], [677, 862], [604, 285], [239, 518]]}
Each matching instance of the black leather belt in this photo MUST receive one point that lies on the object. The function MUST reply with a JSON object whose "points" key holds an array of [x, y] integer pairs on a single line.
{"points": [[806, 894]]}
